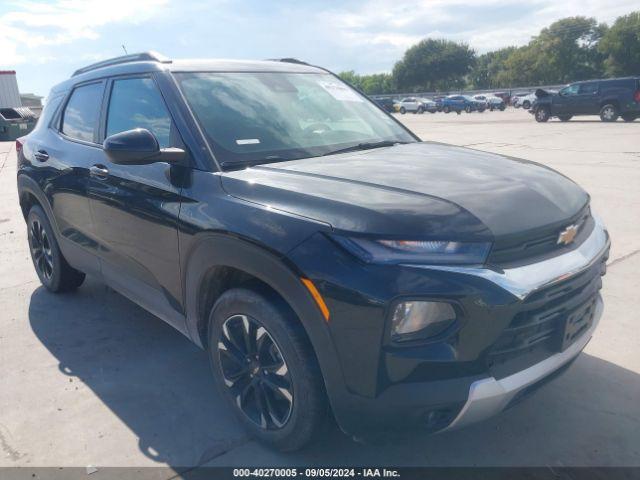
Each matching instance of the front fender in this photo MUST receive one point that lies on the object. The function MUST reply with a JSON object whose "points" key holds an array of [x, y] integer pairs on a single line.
{"points": [[218, 250]]}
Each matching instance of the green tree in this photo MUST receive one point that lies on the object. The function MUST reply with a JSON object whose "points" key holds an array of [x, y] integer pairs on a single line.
{"points": [[487, 67], [621, 46], [376, 83], [434, 64], [563, 52]]}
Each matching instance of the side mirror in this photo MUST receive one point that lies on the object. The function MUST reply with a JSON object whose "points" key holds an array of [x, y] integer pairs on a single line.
{"points": [[139, 147]]}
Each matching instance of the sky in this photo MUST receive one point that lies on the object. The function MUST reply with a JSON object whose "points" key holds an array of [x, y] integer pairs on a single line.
{"points": [[45, 41]]}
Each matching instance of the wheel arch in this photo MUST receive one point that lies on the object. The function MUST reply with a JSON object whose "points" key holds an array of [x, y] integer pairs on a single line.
{"points": [[613, 101], [218, 262], [30, 194]]}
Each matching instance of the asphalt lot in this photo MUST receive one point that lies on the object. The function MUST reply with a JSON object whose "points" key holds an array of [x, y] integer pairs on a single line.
{"points": [[91, 379]]}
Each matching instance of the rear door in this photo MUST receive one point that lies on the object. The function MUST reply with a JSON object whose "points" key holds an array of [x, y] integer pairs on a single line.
{"points": [[588, 99], [65, 153], [135, 207]]}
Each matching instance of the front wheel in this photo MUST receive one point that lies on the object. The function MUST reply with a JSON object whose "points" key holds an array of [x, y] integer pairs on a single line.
{"points": [[542, 114], [265, 367], [609, 113], [403, 110], [55, 274], [526, 104]]}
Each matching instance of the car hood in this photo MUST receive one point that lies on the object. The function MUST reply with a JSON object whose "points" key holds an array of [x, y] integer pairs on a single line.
{"points": [[414, 190]]}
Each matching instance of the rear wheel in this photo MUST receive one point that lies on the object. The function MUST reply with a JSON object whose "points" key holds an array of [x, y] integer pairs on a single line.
{"points": [[629, 117], [542, 114], [265, 366], [403, 110], [565, 118], [526, 104], [52, 268], [609, 113]]}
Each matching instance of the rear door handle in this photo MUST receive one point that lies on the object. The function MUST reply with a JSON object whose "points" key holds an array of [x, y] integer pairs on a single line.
{"points": [[41, 155], [99, 171]]}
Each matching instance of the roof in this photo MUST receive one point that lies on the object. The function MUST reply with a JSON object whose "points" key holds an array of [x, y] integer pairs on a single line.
{"points": [[150, 61]]}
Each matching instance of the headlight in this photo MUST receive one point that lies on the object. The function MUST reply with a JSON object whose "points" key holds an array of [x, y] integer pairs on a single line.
{"points": [[415, 251], [417, 319]]}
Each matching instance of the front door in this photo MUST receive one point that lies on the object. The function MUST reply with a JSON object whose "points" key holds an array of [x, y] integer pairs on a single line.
{"points": [[135, 208], [566, 102]]}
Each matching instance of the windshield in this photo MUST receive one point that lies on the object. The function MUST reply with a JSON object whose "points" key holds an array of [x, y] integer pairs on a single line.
{"points": [[254, 117]]}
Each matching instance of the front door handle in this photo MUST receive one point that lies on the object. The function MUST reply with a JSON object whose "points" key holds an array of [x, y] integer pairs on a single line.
{"points": [[41, 156], [99, 171]]}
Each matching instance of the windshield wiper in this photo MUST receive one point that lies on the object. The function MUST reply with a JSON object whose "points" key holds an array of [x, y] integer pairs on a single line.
{"points": [[365, 146], [252, 163]]}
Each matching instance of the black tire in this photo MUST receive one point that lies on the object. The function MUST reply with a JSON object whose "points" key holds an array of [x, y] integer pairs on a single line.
{"points": [[502, 107], [609, 113], [629, 117], [565, 118], [286, 421], [403, 110], [446, 109], [542, 114], [467, 109], [55, 274], [526, 104]]}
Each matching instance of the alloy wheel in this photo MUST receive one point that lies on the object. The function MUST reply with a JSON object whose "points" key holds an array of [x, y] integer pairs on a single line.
{"points": [[608, 113], [255, 372], [41, 249]]}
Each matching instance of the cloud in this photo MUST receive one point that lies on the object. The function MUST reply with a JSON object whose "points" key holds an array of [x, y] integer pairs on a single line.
{"points": [[30, 25]]}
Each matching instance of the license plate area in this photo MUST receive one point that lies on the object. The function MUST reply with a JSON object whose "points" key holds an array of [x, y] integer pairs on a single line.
{"points": [[577, 323]]}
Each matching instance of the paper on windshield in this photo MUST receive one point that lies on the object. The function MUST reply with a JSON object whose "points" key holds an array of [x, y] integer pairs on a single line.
{"points": [[340, 91]]}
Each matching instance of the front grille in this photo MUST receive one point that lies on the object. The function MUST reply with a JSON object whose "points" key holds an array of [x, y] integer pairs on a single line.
{"points": [[548, 322], [529, 245]]}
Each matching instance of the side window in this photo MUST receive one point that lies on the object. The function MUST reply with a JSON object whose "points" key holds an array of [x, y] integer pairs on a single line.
{"points": [[588, 88], [137, 103], [570, 90], [80, 116]]}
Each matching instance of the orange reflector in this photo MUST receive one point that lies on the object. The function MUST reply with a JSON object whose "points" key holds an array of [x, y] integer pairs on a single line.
{"points": [[317, 297]]}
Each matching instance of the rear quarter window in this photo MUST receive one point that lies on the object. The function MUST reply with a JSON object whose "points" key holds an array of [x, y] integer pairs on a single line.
{"points": [[81, 114]]}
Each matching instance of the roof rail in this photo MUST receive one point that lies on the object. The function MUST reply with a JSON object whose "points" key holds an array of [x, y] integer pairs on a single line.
{"points": [[134, 57], [288, 60]]}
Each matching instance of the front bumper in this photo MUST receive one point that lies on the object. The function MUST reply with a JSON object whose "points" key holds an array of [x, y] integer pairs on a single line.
{"points": [[488, 397]]}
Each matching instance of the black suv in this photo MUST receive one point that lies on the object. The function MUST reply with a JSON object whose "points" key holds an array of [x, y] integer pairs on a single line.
{"points": [[326, 258], [610, 98]]}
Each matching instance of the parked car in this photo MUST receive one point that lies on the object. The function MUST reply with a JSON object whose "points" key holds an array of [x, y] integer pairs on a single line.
{"points": [[453, 103], [410, 104], [428, 105], [490, 101], [526, 101], [517, 97], [388, 104], [334, 263], [609, 98], [473, 105]]}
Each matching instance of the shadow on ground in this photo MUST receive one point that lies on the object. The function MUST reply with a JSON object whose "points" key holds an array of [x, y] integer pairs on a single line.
{"points": [[159, 385]]}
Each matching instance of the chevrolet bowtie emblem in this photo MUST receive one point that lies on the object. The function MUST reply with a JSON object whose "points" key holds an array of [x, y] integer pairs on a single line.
{"points": [[567, 235]]}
